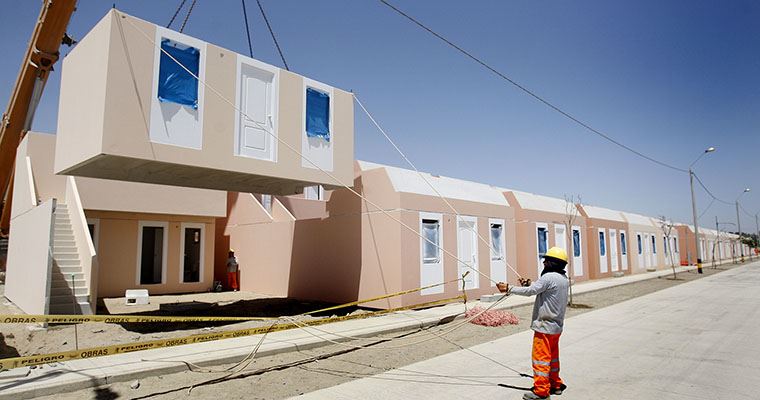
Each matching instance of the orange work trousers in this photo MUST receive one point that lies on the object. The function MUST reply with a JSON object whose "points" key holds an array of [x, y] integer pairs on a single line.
{"points": [[545, 363], [232, 280]]}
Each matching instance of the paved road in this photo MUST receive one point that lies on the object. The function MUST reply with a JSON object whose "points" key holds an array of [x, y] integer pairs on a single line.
{"points": [[699, 340]]}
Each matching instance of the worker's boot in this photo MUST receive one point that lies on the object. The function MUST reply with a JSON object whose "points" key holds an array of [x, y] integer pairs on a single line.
{"points": [[532, 396], [558, 391]]}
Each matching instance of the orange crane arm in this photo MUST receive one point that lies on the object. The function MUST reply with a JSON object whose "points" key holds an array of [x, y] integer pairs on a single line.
{"points": [[41, 54]]}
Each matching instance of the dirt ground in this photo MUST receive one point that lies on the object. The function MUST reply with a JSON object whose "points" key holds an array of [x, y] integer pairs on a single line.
{"points": [[290, 374], [29, 339]]}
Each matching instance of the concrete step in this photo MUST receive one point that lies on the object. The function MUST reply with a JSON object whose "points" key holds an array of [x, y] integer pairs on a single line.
{"points": [[68, 298], [65, 281], [67, 270], [67, 262], [63, 250], [67, 291], [64, 243], [65, 256], [64, 235]]}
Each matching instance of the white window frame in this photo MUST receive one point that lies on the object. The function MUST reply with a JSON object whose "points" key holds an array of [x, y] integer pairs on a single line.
{"points": [[498, 266], [428, 275], [165, 250], [539, 263], [320, 191], [578, 269], [274, 142], [266, 203], [96, 223], [424, 240], [502, 256], [310, 83], [182, 227], [197, 130]]}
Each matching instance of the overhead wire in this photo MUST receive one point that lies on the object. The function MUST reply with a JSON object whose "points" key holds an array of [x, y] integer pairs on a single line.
{"points": [[421, 175], [171, 21], [528, 91], [709, 192], [271, 32], [706, 209], [247, 29], [187, 17]]}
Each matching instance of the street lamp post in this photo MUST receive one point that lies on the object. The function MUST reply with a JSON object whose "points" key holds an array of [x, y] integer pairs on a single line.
{"points": [[694, 209], [739, 224]]}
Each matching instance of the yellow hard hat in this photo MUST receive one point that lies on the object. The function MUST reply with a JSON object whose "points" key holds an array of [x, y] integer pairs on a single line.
{"points": [[232, 250], [558, 253]]}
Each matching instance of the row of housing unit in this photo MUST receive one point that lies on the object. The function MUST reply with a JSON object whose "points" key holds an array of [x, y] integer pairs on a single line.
{"points": [[109, 236], [164, 143]]}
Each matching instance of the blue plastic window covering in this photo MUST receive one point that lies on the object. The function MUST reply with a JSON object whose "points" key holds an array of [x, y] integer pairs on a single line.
{"points": [[623, 247], [542, 241], [602, 244], [638, 238], [654, 245], [665, 245], [175, 84], [576, 243], [317, 114]]}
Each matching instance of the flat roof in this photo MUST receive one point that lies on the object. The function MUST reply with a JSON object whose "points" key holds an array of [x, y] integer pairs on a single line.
{"points": [[603, 213], [409, 181], [532, 201]]}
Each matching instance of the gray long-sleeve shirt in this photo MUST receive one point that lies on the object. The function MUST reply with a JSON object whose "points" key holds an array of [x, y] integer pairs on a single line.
{"points": [[551, 302]]}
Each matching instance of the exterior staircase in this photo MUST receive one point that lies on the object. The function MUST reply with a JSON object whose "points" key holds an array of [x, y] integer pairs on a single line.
{"points": [[69, 291]]}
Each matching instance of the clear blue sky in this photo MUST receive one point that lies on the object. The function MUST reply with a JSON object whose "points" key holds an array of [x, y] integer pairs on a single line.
{"points": [[668, 78]]}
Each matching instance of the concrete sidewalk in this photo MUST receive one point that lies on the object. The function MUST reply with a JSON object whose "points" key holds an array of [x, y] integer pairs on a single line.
{"points": [[80, 374], [692, 341]]}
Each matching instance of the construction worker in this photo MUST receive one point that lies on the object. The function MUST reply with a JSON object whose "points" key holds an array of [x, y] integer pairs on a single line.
{"points": [[548, 318], [232, 270]]}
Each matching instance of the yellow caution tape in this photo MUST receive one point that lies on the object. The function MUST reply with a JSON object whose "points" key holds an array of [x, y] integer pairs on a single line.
{"points": [[16, 362], [116, 319]]}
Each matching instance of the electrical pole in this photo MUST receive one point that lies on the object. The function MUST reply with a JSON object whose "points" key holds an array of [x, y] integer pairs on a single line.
{"points": [[739, 227], [696, 223]]}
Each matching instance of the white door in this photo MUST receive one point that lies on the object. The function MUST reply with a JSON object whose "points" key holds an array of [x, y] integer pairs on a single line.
{"points": [[467, 243], [257, 119], [577, 245], [602, 251], [702, 249], [498, 250], [624, 250], [560, 237], [431, 256], [613, 250]]}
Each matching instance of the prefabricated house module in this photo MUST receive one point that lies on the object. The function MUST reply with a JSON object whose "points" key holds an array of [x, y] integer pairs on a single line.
{"points": [[143, 103]]}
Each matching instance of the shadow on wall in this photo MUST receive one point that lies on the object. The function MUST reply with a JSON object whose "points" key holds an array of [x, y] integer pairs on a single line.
{"points": [[326, 253], [222, 242]]}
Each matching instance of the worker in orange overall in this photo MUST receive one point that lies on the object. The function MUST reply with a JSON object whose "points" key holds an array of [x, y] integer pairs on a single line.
{"points": [[551, 291], [232, 270]]}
